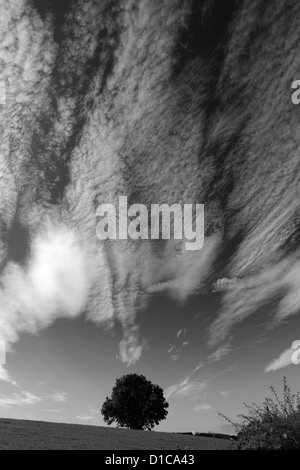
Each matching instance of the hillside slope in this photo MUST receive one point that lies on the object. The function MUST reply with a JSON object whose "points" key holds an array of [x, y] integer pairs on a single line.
{"points": [[19, 434]]}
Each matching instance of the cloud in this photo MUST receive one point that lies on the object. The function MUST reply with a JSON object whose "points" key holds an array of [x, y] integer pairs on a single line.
{"points": [[181, 333], [276, 282], [177, 349], [41, 383], [226, 284], [284, 360], [93, 410], [130, 349], [5, 377], [199, 366], [219, 353], [225, 393], [85, 417], [2, 352], [54, 410], [178, 272], [105, 159], [175, 357], [60, 397], [19, 399], [189, 387], [202, 407], [196, 383], [54, 283], [76, 174]]}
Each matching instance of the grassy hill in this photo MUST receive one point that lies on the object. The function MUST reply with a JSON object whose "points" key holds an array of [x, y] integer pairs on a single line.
{"points": [[20, 434]]}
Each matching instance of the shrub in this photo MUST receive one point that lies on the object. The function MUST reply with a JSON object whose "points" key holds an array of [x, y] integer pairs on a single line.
{"points": [[275, 425]]}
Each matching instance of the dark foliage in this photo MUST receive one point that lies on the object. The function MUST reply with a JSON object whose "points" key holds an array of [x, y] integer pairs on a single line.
{"points": [[275, 425], [135, 403]]}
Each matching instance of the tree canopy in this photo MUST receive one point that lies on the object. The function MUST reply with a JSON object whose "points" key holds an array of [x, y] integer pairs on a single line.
{"points": [[135, 403]]}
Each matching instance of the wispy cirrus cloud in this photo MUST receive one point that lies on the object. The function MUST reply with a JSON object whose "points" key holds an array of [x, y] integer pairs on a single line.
{"points": [[226, 284], [181, 333], [85, 417], [41, 383], [59, 397], [99, 166], [221, 352], [202, 407], [275, 280], [19, 399], [174, 357], [179, 343], [53, 410], [189, 387], [94, 411], [282, 361], [5, 377], [225, 393]]}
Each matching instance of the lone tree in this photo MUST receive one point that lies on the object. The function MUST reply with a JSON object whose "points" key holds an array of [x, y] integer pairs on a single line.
{"points": [[135, 403]]}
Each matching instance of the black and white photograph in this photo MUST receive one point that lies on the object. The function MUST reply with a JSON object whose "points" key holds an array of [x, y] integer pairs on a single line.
{"points": [[150, 227]]}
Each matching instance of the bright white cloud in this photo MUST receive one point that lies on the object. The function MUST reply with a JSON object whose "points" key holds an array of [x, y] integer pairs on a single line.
{"points": [[284, 360], [54, 284]]}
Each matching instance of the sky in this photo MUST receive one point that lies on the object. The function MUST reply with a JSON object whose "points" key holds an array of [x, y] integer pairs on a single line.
{"points": [[108, 99], [65, 372]]}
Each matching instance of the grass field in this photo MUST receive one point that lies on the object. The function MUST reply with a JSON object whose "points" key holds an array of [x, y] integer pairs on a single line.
{"points": [[19, 434]]}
